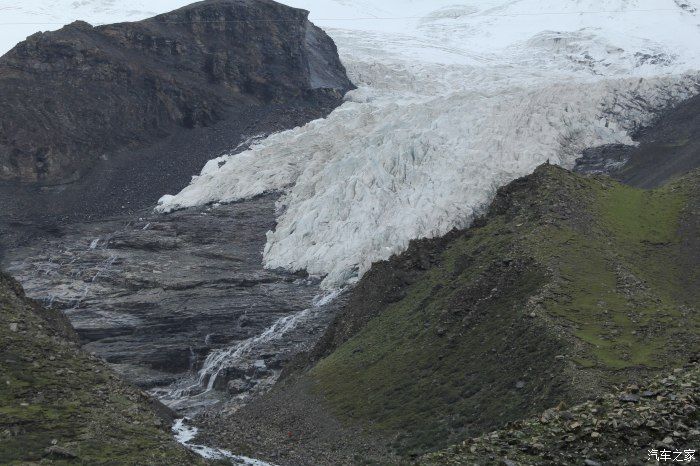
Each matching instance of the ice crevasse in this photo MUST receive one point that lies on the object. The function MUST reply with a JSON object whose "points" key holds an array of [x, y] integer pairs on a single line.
{"points": [[453, 101]]}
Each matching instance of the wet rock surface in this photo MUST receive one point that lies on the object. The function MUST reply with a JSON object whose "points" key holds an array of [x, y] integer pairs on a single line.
{"points": [[154, 295]]}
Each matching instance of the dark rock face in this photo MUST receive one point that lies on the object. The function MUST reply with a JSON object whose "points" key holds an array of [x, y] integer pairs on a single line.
{"points": [[73, 96], [132, 180], [667, 148]]}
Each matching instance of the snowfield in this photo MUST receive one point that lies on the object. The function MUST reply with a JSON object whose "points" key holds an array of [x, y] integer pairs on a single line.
{"points": [[453, 101], [19, 19], [455, 98]]}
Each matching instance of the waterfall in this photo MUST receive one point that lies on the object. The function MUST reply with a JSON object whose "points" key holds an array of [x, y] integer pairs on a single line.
{"points": [[199, 388]]}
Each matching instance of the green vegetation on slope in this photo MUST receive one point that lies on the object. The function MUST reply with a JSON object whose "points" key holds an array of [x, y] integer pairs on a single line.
{"points": [[567, 285], [59, 405], [617, 278]]}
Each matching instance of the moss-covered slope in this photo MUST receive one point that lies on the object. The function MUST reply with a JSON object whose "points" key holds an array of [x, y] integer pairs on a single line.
{"points": [[568, 285], [58, 405]]}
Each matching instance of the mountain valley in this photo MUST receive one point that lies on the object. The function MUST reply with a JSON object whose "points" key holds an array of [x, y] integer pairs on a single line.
{"points": [[343, 233]]}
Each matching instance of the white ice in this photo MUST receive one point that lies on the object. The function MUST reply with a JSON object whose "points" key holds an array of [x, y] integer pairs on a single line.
{"points": [[454, 99]]}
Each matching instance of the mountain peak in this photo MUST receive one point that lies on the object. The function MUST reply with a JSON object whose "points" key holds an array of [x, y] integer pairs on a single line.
{"points": [[139, 81]]}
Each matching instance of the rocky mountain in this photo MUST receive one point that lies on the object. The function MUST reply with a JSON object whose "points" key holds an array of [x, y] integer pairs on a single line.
{"points": [[97, 123], [76, 95], [105, 120], [566, 287], [60, 405], [354, 345], [454, 100]]}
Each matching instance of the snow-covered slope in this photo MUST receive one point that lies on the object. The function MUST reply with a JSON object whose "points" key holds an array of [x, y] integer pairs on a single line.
{"points": [[454, 99], [19, 19]]}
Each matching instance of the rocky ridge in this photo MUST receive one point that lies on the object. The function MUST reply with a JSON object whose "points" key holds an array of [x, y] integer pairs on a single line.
{"points": [[568, 286], [76, 95]]}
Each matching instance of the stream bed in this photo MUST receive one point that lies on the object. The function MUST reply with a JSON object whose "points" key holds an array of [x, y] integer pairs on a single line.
{"points": [[180, 304]]}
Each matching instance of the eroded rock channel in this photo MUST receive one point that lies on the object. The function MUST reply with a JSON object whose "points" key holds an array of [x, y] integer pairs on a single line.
{"points": [[179, 303]]}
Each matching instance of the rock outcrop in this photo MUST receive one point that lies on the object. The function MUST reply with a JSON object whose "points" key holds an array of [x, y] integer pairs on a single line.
{"points": [[73, 96], [667, 148]]}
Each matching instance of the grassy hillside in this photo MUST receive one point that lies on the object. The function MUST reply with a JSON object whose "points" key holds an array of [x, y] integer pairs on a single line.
{"points": [[568, 285], [58, 405]]}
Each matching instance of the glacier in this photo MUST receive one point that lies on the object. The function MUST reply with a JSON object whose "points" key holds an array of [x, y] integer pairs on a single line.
{"points": [[453, 101]]}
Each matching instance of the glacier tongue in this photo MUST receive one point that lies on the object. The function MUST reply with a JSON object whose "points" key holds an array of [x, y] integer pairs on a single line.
{"points": [[460, 101]]}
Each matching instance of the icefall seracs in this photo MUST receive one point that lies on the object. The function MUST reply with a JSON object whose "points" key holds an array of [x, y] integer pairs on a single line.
{"points": [[451, 104]]}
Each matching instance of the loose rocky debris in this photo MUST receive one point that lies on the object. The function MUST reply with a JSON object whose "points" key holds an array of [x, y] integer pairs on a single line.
{"points": [[636, 425]]}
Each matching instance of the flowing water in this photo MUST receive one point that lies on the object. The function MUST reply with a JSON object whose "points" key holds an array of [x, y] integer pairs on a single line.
{"points": [[454, 99], [180, 304], [243, 364], [185, 432]]}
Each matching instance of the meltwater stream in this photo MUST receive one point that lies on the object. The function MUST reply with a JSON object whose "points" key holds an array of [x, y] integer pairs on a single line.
{"points": [[169, 299], [247, 372], [185, 432], [454, 100], [180, 304]]}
